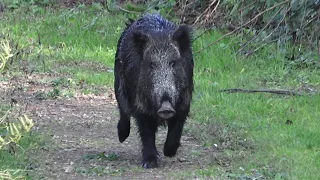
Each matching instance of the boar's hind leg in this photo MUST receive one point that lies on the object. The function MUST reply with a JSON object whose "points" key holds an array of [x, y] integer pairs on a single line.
{"points": [[147, 129], [123, 126], [175, 127]]}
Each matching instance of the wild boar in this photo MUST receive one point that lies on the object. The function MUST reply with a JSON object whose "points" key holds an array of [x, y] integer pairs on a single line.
{"points": [[154, 82]]}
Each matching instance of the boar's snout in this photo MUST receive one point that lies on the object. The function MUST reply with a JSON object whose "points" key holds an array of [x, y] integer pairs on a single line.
{"points": [[166, 111]]}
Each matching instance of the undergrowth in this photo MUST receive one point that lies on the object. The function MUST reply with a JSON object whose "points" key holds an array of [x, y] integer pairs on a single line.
{"points": [[250, 130]]}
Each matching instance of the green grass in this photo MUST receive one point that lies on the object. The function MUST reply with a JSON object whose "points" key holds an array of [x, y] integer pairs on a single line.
{"points": [[291, 151], [280, 151], [59, 36]]}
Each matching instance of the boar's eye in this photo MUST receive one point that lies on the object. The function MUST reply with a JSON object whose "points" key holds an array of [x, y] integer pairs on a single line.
{"points": [[172, 63], [152, 65]]}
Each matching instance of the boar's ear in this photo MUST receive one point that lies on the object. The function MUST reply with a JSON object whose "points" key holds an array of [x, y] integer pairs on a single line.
{"points": [[183, 37], [140, 40]]}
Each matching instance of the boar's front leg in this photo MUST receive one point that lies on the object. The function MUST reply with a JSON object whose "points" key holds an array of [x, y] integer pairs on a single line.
{"points": [[175, 127], [147, 129]]}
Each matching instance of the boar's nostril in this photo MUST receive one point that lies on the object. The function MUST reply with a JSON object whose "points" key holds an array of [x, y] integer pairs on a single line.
{"points": [[166, 111]]}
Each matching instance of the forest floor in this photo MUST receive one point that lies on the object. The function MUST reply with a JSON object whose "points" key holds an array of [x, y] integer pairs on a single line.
{"points": [[84, 141]]}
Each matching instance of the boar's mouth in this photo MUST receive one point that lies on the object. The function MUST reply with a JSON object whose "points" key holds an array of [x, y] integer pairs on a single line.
{"points": [[166, 111]]}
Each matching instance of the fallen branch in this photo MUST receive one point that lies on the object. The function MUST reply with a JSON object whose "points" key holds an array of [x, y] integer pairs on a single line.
{"points": [[283, 92]]}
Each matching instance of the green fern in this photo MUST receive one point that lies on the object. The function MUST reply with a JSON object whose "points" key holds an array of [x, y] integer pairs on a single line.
{"points": [[12, 134], [5, 53], [14, 130]]}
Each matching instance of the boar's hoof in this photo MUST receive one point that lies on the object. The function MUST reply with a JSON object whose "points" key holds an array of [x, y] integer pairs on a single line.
{"points": [[151, 161], [166, 111], [150, 164]]}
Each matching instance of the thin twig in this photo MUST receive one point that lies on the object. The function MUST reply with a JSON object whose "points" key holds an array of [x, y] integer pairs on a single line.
{"points": [[214, 9], [283, 92], [261, 46], [255, 37], [127, 11], [170, 11], [248, 5], [255, 50], [278, 25], [183, 12], [319, 48], [208, 29], [198, 18], [310, 21], [228, 34]]}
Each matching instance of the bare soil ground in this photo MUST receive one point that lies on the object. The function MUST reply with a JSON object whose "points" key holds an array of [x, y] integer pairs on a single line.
{"points": [[84, 142]]}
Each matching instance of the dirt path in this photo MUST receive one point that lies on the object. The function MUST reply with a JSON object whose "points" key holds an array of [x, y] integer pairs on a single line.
{"points": [[84, 138]]}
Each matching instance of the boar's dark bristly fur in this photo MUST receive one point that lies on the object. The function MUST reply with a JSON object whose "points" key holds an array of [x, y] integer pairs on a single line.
{"points": [[154, 82]]}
